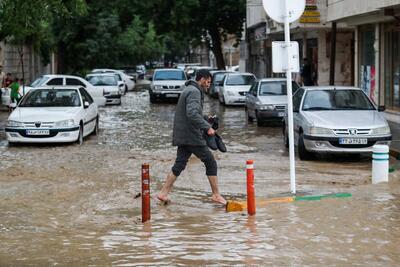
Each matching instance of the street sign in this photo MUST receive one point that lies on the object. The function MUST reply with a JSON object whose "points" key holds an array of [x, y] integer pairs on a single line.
{"points": [[287, 11], [279, 57], [276, 9]]}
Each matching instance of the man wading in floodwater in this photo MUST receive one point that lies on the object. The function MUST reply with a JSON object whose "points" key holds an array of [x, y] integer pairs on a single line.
{"points": [[189, 125]]}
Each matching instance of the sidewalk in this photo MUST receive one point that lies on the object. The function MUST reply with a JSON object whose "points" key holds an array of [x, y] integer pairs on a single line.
{"points": [[394, 123]]}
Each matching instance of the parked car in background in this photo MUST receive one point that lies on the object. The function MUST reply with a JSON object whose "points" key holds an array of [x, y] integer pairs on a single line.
{"points": [[131, 71], [167, 84], [191, 71], [336, 120], [53, 115], [217, 77], [128, 80], [233, 68], [68, 80], [110, 86], [141, 71], [266, 100], [234, 88]]}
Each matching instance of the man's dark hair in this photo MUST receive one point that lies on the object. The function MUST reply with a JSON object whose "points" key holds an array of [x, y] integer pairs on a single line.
{"points": [[202, 73]]}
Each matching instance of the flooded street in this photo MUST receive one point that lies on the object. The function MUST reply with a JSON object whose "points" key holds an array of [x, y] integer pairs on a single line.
{"points": [[68, 205]]}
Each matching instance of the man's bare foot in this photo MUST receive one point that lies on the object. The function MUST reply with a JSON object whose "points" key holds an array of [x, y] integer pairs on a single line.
{"points": [[218, 199], [163, 199]]}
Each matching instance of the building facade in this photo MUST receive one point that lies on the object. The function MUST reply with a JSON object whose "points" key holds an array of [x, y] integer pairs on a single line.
{"points": [[312, 31], [32, 63], [377, 46]]}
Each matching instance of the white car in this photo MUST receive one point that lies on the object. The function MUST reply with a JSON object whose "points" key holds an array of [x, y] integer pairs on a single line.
{"points": [[108, 83], [53, 115], [69, 80], [234, 87], [128, 80], [167, 84]]}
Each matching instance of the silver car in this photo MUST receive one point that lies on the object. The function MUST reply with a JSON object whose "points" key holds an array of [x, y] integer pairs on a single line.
{"points": [[267, 99], [336, 120]]}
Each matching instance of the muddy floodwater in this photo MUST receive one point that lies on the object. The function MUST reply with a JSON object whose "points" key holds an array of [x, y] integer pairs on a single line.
{"points": [[69, 205]]}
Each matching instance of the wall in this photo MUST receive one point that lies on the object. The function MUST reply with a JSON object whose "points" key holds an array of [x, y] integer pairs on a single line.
{"points": [[33, 67], [339, 9], [254, 12]]}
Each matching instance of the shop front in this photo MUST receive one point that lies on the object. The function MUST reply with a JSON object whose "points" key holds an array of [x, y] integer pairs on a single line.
{"points": [[392, 65]]}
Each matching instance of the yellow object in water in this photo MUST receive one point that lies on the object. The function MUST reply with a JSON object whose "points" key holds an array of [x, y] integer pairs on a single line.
{"points": [[233, 205]]}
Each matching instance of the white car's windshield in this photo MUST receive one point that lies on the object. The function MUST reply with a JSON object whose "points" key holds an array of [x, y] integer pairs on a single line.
{"points": [[276, 88], [39, 81], [102, 80], [240, 80], [169, 75], [51, 98], [336, 100]]}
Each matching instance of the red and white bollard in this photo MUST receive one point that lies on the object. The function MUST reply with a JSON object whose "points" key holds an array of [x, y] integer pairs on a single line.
{"points": [[145, 192], [251, 198]]}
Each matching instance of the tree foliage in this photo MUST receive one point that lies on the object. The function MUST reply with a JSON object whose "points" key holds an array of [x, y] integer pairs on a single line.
{"points": [[104, 33]]}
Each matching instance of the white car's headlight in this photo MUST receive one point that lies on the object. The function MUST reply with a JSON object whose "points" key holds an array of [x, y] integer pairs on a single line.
{"points": [[64, 123], [267, 107], [157, 87], [381, 130], [230, 93], [320, 131], [15, 124]]}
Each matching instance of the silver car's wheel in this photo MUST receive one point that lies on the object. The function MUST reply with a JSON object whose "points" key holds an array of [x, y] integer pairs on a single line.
{"points": [[249, 118], [285, 136], [304, 154]]}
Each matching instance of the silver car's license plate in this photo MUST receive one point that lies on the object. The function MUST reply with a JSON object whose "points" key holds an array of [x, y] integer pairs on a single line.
{"points": [[352, 141], [37, 132], [171, 95]]}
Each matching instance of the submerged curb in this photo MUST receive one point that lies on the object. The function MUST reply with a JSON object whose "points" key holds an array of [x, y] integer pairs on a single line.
{"points": [[394, 153]]}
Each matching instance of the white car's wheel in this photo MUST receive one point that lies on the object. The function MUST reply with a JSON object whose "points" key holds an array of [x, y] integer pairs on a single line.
{"points": [[79, 141], [96, 127]]}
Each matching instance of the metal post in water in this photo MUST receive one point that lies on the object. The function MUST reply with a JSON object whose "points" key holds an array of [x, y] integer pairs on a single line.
{"points": [[251, 198], [290, 102], [145, 192]]}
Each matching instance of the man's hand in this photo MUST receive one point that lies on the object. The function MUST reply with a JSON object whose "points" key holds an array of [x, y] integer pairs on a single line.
{"points": [[211, 131]]}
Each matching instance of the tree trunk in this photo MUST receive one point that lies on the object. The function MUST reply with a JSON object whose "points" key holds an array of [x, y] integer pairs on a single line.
{"points": [[217, 48], [21, 58]]}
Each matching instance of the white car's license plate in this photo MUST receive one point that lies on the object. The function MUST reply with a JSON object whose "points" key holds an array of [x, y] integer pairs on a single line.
{"points": [[352, 141], [37, 132], [171, 95]]}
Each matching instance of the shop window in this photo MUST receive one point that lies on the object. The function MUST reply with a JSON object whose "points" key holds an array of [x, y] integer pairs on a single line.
{"points": [[367, 62]]}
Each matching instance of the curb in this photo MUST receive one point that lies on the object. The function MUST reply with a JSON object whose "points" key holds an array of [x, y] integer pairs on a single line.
{"points": [[394, 153]]}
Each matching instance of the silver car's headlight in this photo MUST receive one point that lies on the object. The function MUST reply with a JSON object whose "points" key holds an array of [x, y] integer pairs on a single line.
{"points": [[15, 124], [381, 130], [267, 107], [320, 131], [64, 123]]}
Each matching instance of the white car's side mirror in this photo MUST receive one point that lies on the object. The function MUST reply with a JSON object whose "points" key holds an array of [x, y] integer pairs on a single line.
{"points": [[86, 104]]}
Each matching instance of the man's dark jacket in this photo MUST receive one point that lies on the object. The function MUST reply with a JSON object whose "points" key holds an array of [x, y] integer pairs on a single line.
{"points": [[189, 123]]}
